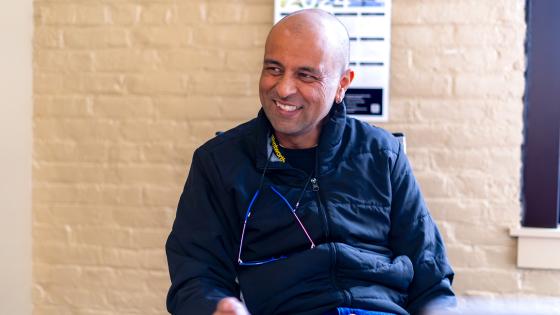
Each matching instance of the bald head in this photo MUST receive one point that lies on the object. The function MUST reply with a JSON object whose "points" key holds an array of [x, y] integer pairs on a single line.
{"points": [[326, 30], [305, 71]]}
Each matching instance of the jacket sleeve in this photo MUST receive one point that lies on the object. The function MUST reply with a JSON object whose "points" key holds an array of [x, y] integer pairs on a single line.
{"points": [[415, 234], [200, 254]]}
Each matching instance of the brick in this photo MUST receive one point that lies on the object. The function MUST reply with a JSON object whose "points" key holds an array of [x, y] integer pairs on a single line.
{"points": [[56, 274], [505, 211], [420, 160], [159, 281], [158, 14], [63, 254], [96, 37], [258, 13], [503, 257], [154, 259], [436, 185], [244, 60], [161, 36], [161, 83], [233, 36], [156, 217], [425, 85], [466, 256], [70, 83], [483, 235], [124, 14], [48, 37], [543, 282], [452, 111], [466, 159], [71, 215], [468, 136], [96, 14], [102, 236], [75, 297], [160, 174], [122, 107], [126, 60], [149, 238], [122, 258], [87, 194], [175, 154], [193, 59], [54, 14], [498, 281], [53, 310], [135, 301], [161, 195], [401, 59], [124, 152], [462, 211], [76, 129], [65, 173], [190, 108], [491, 85], [192, 13], [489, 35], [225, 13], [49, 234], [445, 12], [50, 83], [62, 61], [71, 14], [400, 111], [155, 132], [239, 108], [232, 84], [205, 130], [416, 36], [62, 106], [84, 151]]}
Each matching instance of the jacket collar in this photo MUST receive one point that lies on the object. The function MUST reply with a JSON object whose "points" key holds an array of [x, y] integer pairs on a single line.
{"points": [[329, 140]]}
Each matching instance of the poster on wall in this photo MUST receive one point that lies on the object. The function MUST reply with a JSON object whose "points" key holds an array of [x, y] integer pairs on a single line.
{"points": [[369, 25]]}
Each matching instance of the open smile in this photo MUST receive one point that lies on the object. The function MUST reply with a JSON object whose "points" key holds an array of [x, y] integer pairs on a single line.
{"points": [[287, 107]]}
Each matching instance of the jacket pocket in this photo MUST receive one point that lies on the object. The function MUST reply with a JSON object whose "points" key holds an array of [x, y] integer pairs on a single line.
{"points": [[372, 267]]}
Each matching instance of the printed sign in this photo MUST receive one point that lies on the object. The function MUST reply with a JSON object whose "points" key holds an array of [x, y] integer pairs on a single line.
{"points": [[369, 25]]}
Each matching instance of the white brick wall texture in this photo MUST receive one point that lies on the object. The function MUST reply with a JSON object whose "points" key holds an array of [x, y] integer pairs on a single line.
{"points": [[124, 91]]}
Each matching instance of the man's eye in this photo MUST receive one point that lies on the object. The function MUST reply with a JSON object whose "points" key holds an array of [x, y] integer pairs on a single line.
{"points": [[307, 77], [274, 70]]}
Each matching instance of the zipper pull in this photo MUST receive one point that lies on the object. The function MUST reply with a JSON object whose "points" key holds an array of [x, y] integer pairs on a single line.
{"points": [[314, 184]]}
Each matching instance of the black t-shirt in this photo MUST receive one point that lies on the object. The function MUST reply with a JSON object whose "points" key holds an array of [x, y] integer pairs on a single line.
{"points": [[303, 159]]}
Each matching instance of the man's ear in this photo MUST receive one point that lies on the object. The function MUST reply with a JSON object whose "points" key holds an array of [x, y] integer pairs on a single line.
{"points": [[343, 85]]}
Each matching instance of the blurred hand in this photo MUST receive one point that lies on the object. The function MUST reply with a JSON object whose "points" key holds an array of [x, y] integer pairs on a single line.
{"points": [[230, 306]]}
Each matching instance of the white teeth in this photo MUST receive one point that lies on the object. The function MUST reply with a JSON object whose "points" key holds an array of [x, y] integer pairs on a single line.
{"points": [[288, 108]]}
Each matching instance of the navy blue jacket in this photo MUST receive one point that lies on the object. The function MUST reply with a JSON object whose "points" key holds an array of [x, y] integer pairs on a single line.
{"points": [[377, 246]]}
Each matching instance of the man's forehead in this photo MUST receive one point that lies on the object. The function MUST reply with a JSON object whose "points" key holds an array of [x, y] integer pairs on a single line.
{"points": [[310, 31], [297, 52]]}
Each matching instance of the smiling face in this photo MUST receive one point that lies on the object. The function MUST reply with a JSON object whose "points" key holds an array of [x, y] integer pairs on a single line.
{"points": [[303, 74]]}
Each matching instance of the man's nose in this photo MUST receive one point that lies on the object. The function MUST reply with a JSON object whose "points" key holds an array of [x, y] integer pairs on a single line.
{"points": [[285, 86]]}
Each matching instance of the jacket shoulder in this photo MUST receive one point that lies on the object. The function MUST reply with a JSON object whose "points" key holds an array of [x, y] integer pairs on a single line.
{"points": [[231, 137], [375, 139]]}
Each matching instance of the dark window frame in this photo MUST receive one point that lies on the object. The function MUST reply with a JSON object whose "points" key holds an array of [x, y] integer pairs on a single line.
{"points": [[541, 150]]}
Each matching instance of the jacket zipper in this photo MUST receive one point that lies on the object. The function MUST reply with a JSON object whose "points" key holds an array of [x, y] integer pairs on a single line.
{"points": [[315, 187], [345, 294]]}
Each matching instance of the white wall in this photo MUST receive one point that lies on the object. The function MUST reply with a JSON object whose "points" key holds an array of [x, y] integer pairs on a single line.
{"points": [[16, 28]]}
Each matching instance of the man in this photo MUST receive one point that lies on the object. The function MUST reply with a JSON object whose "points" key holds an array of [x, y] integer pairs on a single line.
{"points": [[303, 210]]}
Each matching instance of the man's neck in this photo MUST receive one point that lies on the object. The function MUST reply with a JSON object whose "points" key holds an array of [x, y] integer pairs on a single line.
{"points": [[305, 141]]}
